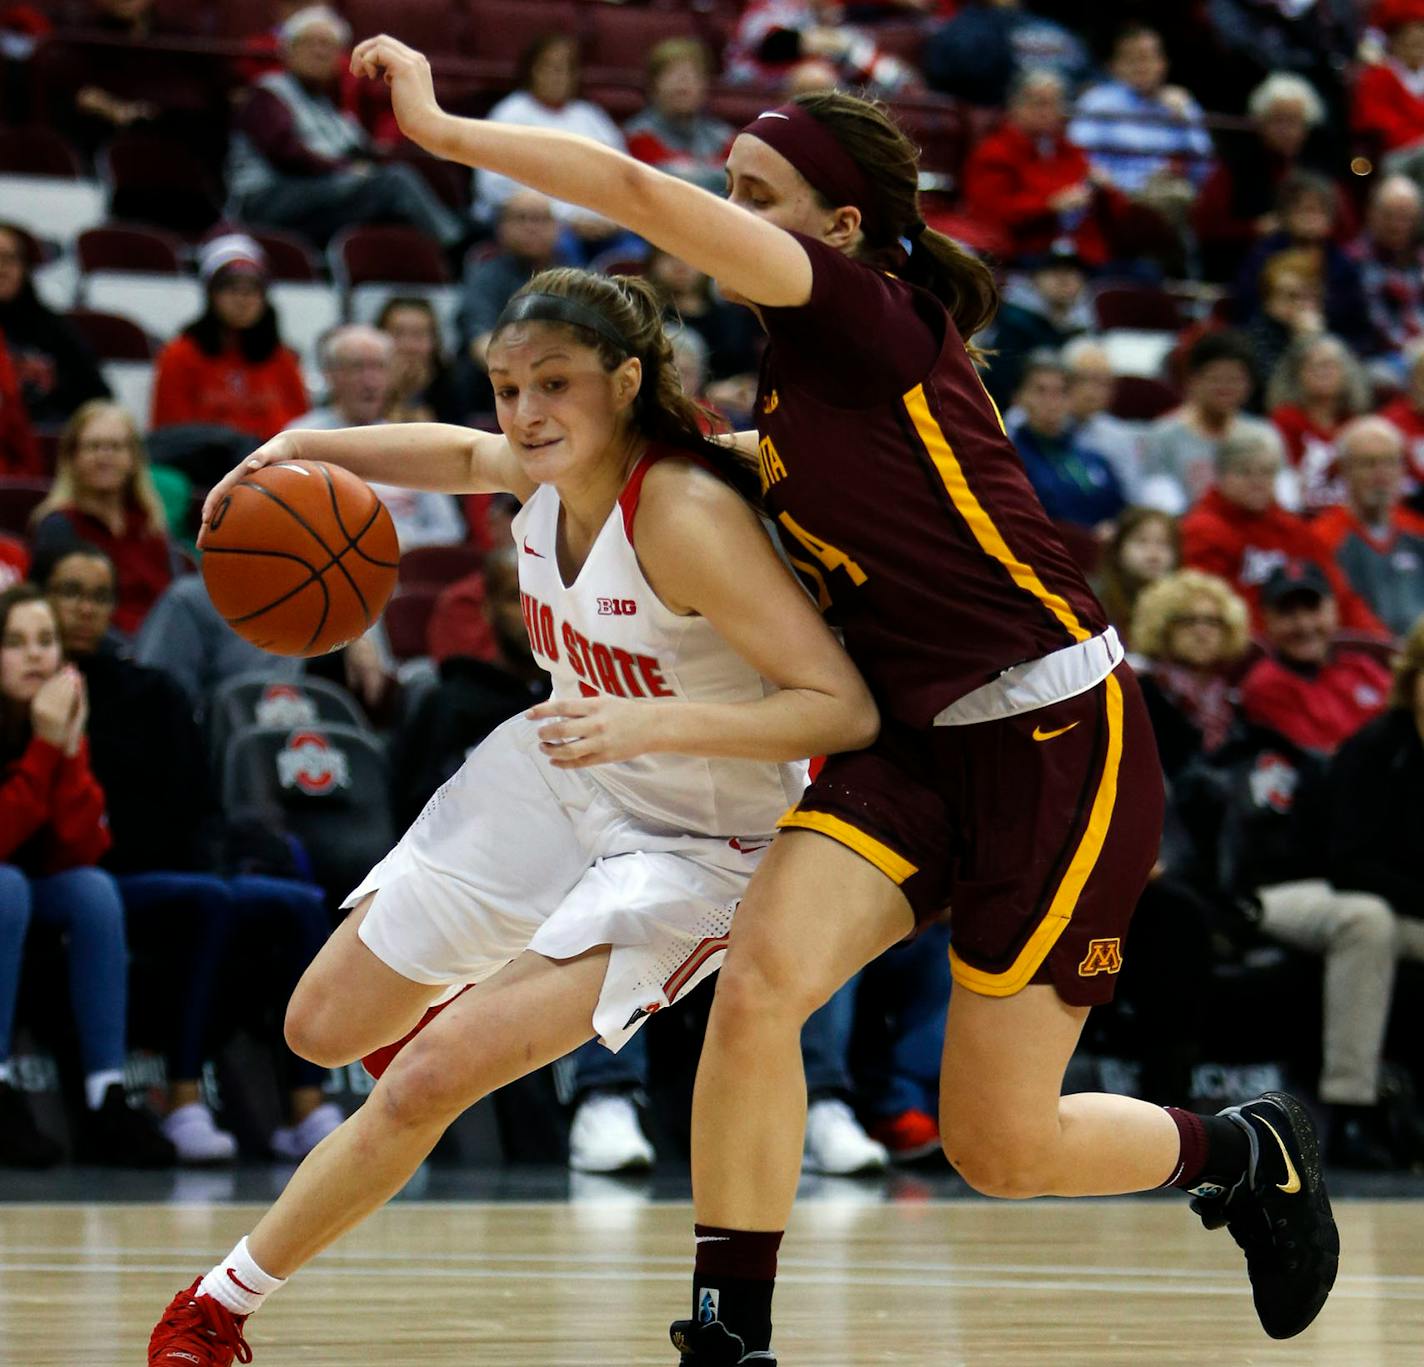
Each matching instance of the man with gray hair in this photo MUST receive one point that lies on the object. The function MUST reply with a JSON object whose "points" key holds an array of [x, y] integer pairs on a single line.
{"points": [[357, 363], [1239, 532], [1377, 541], [299, 162], [1391, 262]]}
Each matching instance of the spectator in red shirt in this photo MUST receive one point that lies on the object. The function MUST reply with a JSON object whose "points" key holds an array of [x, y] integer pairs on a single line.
{"points": [[1317, 388], [1033, 185], [104, 494], [229, 367], [675, 132], [1308, 689], [1406, 412], [1376, 540], [1389, 95], [19, 453], [1238, 531], [14, 561], [52, 830]]}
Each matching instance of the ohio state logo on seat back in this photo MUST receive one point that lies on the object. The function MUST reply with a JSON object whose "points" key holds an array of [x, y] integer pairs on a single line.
{"points": [[311, 764], [284, 705]]}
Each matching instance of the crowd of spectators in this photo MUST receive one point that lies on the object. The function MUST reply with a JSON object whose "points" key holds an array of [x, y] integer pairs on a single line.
{"points": [[1209, 355]]}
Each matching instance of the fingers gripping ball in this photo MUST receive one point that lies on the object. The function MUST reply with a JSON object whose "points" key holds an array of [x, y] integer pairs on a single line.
{"points": [[300, 558]]}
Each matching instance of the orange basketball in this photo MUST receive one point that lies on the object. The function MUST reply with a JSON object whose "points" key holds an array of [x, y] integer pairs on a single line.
{"points": [[300, 558]]}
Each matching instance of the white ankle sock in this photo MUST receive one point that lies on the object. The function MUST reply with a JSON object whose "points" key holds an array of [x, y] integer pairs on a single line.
{"points": [[238, 1283], [96, 1084]]}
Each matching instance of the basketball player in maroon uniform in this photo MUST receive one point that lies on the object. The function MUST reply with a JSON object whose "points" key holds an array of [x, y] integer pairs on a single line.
{"points": [[1016, 778]]}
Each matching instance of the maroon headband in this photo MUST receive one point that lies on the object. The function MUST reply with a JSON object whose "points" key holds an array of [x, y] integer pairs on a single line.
{"points": [[814, 151]]}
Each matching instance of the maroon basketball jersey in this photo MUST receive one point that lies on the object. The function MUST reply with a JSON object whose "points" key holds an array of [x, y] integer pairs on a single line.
{"points": [[898, 498]]}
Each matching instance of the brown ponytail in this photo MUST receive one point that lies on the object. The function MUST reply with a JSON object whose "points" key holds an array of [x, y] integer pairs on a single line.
{"points": [[890, 162], [663, 411]]}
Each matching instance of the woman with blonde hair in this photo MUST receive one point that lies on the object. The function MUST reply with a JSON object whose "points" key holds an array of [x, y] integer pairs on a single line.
{"points": [[104, 494], [1315, 390], [1191, 631]]}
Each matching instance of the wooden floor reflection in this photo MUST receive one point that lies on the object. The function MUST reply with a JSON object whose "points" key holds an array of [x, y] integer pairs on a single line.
{"points": [[554, 1285]]}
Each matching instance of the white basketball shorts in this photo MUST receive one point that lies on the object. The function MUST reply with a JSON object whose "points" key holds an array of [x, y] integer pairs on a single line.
{"points": [[513, 854]]}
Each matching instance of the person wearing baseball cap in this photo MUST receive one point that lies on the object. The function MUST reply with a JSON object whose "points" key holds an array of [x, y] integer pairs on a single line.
{"points": [[1308, 688], [1388, 111], [229, 367]]}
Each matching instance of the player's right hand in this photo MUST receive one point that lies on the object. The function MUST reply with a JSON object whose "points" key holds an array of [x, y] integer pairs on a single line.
{"points": [[407, 72], [280, 448]]}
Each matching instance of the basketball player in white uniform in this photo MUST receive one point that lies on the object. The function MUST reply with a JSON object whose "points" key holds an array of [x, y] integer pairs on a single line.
{"points": [[583, 866]]}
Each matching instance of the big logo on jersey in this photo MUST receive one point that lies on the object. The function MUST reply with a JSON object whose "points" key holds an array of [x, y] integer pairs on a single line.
{"points": [[313, 765], [601, 668]]}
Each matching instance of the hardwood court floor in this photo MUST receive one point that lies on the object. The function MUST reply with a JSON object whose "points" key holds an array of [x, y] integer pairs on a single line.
{"points": [[552, 1285]]}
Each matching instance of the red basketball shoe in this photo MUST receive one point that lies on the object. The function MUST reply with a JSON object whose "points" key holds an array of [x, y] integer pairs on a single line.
{"points": [[197, 1331], [909, 1135]]}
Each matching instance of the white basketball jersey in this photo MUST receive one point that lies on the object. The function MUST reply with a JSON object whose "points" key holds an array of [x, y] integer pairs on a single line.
{"points": [[608, 633]]}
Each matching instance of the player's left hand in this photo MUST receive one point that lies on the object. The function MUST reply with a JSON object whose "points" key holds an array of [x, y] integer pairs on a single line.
{"points": [[407, 72], [579, 732]]}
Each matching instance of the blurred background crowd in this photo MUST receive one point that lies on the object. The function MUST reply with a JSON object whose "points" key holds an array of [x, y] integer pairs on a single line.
{"points": [[1208, 220]]}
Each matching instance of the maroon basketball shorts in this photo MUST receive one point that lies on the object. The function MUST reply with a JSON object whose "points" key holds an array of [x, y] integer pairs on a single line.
{"points": [[1035, 834]]}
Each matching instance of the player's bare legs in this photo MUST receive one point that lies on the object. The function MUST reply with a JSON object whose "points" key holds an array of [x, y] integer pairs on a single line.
{"points": [[533, 1012], [321, 1023], [814, 915], [1004, 1123]]}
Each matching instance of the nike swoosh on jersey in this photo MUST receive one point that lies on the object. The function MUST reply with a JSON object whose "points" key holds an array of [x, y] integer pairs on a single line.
{"points": [[529, 550], [1292, 1183], [1040, 734]]}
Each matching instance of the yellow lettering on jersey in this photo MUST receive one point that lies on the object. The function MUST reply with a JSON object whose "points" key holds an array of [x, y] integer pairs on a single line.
{"points": [[828, 555], [772, 466], [813, 579]]}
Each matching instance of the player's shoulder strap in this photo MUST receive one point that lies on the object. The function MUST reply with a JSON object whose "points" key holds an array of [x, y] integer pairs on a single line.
{"points": [[633, 489]]}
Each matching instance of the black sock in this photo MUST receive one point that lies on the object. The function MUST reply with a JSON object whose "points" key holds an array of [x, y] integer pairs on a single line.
{"points": [[1215, 1151], [734, 1280]]}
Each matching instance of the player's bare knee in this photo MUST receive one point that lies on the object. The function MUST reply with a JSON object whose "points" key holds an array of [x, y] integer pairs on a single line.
{"points": [[753, 998], [1014, 1171], [416, 1091], [308, 1031]]}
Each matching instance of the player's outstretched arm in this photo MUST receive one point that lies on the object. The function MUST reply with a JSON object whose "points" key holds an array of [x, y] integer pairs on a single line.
{"points": [[705, 551], [743, 253], [416, 455]]}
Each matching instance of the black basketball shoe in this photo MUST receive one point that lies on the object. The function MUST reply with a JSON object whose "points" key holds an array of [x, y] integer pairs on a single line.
{"points": [[714, 1345], [1279, 1213]]}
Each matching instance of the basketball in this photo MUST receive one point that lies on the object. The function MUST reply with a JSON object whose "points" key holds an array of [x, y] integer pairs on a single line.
{"points": [[300, 558]]}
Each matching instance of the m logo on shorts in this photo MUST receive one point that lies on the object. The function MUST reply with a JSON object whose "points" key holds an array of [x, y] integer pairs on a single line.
{"points": [[1103, 956]]}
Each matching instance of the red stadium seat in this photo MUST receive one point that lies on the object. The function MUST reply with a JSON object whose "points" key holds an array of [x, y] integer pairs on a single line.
{"points": [[407, 620], [116, 247], [436, 27], [18, 499], [902, 38], [438, 565], [161, 181], [394, 253], [621, 38], [110, 337], [1139, 306], [1137, 398], [288, 256], [739, 105], [36, 150], [619, 98], [502, 29]]}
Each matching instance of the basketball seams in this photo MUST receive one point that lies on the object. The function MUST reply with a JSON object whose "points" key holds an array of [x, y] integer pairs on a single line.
{"points": [[308, 515], [333, 557]]}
